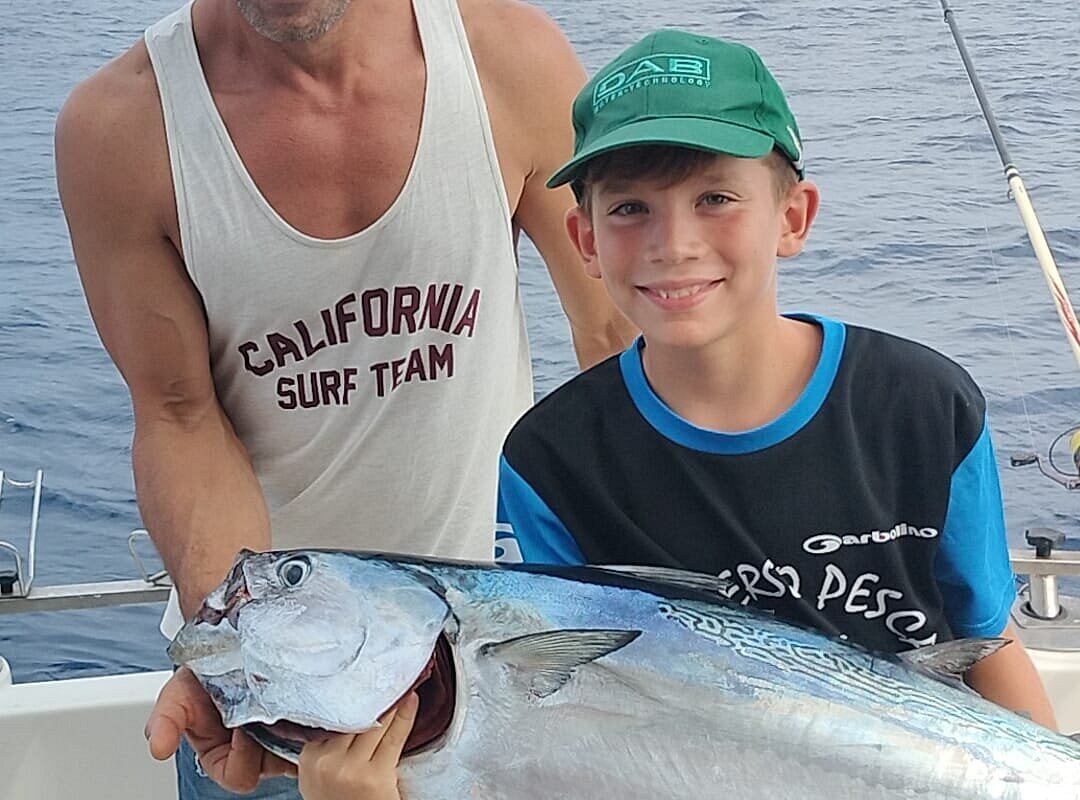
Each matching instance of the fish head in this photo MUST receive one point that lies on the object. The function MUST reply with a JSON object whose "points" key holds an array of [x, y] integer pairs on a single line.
{"points": [[304, 642]]}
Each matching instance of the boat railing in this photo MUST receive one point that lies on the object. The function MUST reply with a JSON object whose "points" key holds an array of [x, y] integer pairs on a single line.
{"points": [[18, 592], [21, 579], [86, 595]]}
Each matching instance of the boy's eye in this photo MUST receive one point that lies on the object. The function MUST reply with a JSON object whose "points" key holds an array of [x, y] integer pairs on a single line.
{"points": [[715, 199], [627, 208]]}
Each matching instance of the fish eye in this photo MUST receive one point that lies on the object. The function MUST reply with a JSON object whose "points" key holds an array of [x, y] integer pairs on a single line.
{"points": [[294, 571]]}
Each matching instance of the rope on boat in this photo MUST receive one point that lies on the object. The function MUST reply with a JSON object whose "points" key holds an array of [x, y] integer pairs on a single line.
{"points": [[1020, 195]]}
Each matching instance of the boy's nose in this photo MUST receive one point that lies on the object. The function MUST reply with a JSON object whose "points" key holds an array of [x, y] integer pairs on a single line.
{"points": [[675, 239]]}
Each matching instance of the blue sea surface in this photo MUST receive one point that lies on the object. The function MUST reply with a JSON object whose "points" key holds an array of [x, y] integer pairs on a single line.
{"points": [[917, 235]]}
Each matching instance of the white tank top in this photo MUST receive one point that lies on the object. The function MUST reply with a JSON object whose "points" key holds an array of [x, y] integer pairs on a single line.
{"points": [[371, 378]]}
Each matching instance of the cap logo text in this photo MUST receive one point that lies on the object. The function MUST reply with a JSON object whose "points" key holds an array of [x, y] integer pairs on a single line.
{"points": [[660, 68]]}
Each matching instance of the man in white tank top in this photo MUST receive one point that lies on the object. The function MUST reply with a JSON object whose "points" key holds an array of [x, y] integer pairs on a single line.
{"points": [[296, 222]]}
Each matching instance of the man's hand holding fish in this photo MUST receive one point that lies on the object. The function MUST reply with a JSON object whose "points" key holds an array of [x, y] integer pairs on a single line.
{"points": [[229, 757]]}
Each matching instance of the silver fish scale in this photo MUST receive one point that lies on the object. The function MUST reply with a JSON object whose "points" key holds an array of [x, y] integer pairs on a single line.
{"points": [[842, 671]]}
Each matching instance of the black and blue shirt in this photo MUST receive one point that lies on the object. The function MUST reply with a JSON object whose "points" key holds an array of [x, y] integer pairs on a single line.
{"points": [[871, 509]]}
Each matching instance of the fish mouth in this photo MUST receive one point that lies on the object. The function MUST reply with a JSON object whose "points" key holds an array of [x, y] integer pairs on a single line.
{"points": [[436, 687]]}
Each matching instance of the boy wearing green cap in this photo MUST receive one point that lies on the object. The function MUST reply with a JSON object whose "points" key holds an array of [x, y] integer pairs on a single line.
{"points": [[841, 477]]}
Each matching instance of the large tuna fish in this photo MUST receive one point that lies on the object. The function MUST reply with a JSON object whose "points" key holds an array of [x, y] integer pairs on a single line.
{"points": [[594, 683]]}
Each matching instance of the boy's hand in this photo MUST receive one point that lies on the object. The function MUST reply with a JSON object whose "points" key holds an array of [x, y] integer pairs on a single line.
{"points": [[229, 757], [360, 765]]}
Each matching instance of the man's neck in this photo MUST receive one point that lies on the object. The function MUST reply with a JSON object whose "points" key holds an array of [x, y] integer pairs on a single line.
{"points": [[369, 32], [746, 380]]}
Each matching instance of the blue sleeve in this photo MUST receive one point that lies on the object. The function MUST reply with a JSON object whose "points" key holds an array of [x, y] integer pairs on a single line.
{"points": [[526, 529], [973, 568]]}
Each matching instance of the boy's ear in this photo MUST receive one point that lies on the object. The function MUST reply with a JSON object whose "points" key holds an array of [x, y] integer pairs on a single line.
{"points": [[800, 209], [580, 228]]}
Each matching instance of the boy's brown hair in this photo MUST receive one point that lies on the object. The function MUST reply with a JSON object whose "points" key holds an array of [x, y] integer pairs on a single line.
{"points": [[668, 165]]}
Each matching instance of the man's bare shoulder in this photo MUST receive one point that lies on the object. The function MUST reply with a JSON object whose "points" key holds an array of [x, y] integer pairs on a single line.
{"points": [[110, 131], [520, 46], [117, 104], [530, 74]]}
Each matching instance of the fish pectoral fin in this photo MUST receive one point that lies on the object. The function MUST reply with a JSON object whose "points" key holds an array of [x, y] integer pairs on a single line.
{"points": [[948, 661], [552, 656], [684, 579]]}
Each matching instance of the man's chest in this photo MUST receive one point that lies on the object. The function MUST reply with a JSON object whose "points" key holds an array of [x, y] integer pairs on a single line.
{"points": [[328, 169]]}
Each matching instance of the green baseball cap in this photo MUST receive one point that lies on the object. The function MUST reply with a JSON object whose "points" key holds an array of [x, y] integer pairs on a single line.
{"points": [[683, 89]]}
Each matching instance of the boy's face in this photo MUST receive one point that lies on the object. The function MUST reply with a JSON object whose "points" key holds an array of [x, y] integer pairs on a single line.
{"points": [[692, 262]]}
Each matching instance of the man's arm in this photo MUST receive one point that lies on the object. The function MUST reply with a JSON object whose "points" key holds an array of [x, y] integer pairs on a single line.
{"points": [[531, 76], [197, 493]]}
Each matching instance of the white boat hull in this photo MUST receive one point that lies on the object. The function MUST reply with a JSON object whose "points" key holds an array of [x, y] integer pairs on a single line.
{"points": [[81, 738], [1061, 675]]}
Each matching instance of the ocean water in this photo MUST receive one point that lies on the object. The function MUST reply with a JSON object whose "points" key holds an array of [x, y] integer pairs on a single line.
{"points": [[917, 236]]}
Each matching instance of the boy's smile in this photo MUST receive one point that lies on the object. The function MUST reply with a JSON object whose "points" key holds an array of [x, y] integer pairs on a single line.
{"points": [[680, 295]]}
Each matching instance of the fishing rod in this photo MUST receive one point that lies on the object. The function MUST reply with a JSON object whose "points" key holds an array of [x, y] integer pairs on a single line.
{"points": [[1020, 195], [1045, 257]]}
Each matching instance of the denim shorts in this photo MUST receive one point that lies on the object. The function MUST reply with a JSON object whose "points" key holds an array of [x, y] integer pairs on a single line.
{"points": [[193, 784]]}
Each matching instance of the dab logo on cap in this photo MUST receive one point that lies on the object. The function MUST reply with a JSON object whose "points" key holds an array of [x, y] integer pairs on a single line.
{"points": [[677, 68]]}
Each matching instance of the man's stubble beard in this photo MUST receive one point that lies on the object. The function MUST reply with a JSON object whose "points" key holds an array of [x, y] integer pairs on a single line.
{"points": [[322, 18]]}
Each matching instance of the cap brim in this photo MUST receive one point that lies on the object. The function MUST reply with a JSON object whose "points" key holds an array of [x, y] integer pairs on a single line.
{"points": [[700, 134]]}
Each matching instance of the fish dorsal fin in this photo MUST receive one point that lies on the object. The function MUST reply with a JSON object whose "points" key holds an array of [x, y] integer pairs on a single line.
{"points": [[948, 661], [684, 579], [552, 656]]}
